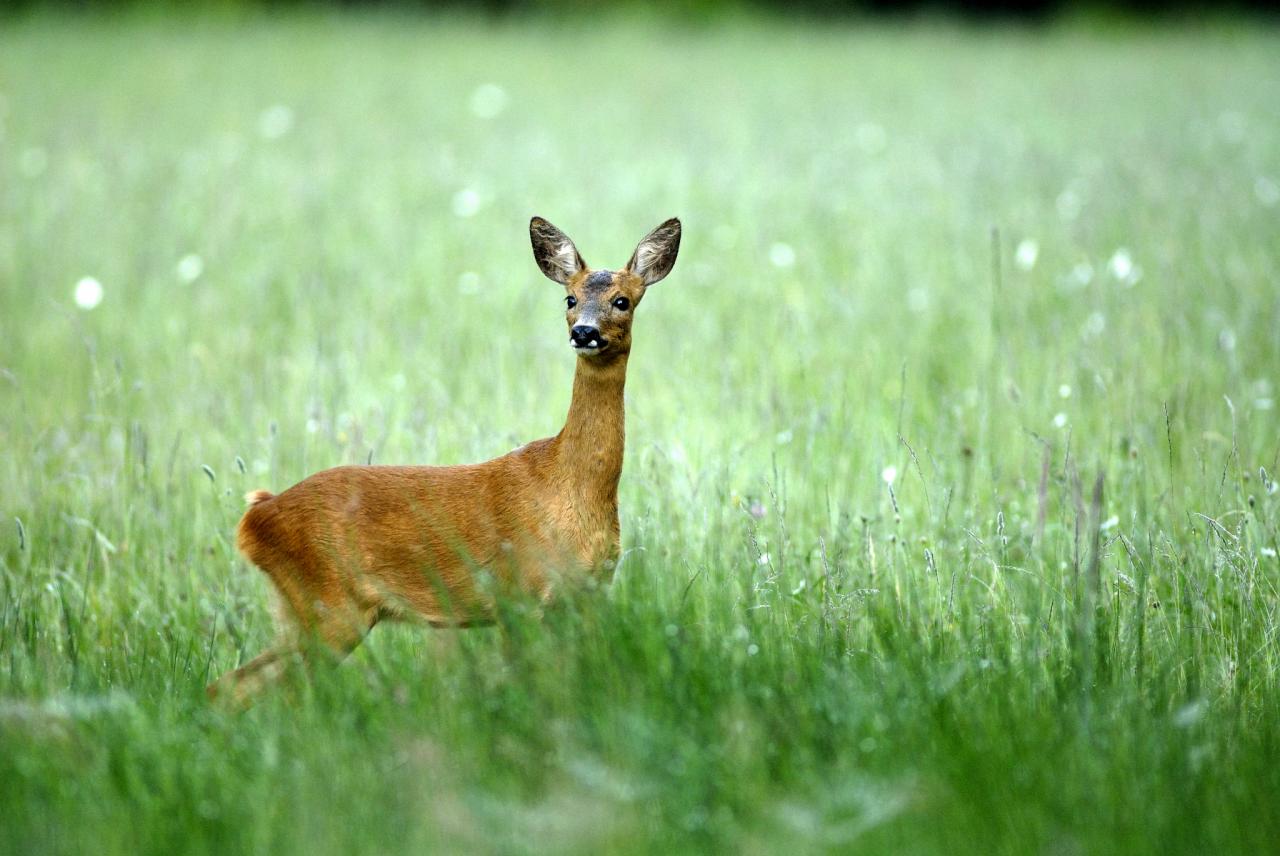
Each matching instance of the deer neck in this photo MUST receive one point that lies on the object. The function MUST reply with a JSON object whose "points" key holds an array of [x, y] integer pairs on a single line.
{"points": [[590, 445]]}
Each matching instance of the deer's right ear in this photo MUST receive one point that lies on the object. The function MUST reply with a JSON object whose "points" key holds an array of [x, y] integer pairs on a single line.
{"points": [[555, 254]]}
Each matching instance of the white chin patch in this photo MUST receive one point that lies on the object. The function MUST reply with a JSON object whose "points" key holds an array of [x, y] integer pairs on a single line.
{"points": [[589, 349]]}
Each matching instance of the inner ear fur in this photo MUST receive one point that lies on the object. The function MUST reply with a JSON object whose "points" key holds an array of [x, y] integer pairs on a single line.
{"points": [[655, 255], [557, 257]]}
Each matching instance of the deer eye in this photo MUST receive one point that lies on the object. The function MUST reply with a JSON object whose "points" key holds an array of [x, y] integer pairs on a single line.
{"points": [[621, 304], [571, 301]]}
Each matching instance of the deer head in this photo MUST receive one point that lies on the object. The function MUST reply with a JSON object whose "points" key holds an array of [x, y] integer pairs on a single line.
{"points": [[600, 303]]}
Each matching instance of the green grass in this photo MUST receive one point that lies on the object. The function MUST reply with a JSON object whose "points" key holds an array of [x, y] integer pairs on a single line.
{"points": [[792, 658]]}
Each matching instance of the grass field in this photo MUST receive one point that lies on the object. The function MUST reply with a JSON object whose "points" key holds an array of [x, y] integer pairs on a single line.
{"points": [[948, 512]]}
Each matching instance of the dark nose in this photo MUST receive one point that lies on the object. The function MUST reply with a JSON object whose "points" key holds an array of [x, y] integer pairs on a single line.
{"points": [[582, 336]]}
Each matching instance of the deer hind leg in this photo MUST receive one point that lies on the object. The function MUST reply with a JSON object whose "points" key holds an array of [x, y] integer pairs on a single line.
{"points": [[308, 622], [239, 687]]}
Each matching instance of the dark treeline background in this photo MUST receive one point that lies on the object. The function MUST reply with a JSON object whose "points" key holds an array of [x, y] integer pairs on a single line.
{"points": [[1023, 9]]}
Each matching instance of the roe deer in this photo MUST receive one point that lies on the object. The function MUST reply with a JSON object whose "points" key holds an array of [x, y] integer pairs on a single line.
{"points": [[351, 545]]}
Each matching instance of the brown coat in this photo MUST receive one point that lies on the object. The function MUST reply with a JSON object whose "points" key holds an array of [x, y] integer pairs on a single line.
{"points": [[363, 543]]}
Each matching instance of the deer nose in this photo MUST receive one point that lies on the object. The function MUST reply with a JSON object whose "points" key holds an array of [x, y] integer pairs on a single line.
{"points": [[583, 336]]}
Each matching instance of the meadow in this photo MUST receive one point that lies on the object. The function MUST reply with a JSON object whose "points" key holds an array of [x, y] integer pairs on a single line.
{"points": [[949, 511]]}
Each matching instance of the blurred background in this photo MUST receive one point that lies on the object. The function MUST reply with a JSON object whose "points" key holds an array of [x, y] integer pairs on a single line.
{"points": [[1028, 9], [950, 505]]}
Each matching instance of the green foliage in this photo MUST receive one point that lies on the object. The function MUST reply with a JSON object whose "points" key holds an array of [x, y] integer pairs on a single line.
{"points": [[863, 603]]}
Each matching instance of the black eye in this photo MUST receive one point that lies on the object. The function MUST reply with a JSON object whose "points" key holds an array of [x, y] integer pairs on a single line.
{"points": [[621, 304], [571, 301]]}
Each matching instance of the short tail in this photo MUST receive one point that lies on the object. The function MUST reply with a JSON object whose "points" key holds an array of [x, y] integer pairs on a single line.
{"points": [[253, 497]]}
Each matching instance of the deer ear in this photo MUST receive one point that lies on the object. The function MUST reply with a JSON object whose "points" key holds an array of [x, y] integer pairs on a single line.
{"points": [[553, 251], [656, 254]]}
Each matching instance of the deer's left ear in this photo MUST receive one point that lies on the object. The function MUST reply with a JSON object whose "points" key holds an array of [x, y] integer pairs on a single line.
{"points": [[656, 254]]}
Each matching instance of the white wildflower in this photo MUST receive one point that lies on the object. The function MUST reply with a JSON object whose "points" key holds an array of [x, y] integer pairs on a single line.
{"points": [[1094, 325], [1068, 204], [488, 100], [1122, 268], [1026, 254], [275, 122], [918, 300], [782, 255], [190, 267], [466, 202], [1081, 275], [1189, 714], [88, 293]]}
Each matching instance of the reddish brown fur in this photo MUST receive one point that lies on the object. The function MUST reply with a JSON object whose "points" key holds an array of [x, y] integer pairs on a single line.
{"points": [[349, 546]]}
